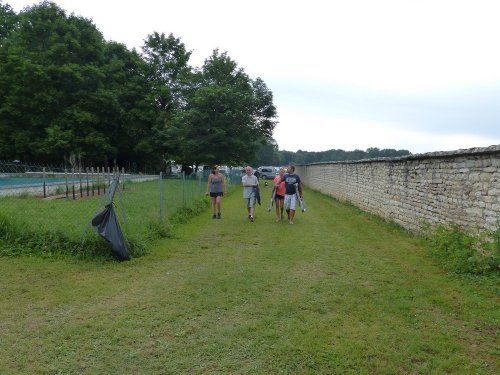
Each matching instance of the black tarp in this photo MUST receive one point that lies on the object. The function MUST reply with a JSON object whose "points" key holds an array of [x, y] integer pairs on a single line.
{"points": [[257, 194], [108, 227]]}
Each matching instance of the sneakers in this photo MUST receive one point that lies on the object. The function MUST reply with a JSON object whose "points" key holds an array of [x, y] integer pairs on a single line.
{"points": [[213, 216], [251, 219], [218, 216]]}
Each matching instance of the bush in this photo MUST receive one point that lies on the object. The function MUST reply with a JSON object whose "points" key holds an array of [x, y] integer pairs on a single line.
{"points": [[462, 252]]}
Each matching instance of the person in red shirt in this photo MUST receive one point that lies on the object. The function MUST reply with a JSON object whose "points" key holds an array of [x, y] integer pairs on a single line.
{"points": [[279, 194]]}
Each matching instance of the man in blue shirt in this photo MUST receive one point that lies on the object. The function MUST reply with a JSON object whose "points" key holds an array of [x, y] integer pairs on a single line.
{"points": [[292, 186]]}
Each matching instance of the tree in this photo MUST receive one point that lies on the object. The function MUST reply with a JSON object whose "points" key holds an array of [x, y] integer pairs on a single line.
{"points": [[52, 82], [167, 60], [306, 157], [226, 115], [267, 153], [130, 125], [170, 77], [8, 20]]}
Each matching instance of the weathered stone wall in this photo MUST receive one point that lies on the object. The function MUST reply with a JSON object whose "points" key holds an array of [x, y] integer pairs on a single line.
{"points": [[460, 186]]}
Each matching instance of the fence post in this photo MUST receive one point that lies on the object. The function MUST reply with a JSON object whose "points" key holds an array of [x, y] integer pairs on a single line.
{"points": [[88, 187], [161, 196], [66, 181], [92, 179], [200, 188], [73, 182], [98, 171], [80, 178], [44, 184], [183, 189], [123, 179]]}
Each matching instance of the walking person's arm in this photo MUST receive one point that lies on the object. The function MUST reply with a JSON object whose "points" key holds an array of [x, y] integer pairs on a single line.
{"points": [[208, 184]]}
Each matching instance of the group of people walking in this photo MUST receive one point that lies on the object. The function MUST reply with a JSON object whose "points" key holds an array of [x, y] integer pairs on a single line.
{"points": [[286, 186]]}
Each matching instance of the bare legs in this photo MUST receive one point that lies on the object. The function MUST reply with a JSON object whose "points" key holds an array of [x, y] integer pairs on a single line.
{"points": [[216, 203], [279, 209]]}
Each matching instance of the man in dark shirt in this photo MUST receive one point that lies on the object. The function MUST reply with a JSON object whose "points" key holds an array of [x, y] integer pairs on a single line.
{"points": [[292, 186]]}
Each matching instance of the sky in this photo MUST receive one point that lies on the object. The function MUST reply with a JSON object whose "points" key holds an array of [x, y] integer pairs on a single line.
{"points": [[418, 75]]}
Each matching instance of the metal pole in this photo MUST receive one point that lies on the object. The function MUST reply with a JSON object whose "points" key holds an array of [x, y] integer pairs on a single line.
{"points": [[44, 183], [66, 181], [88, 187], [73, 182], [98, 187], [183, 189], [80, 178], [161, 195], [93, 182]]}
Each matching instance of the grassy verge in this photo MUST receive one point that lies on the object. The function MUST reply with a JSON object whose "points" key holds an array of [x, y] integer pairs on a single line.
{"points": [[463, 252], [59, 227], [337, 293]]}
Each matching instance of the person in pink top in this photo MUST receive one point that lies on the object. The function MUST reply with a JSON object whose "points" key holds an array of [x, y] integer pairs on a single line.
{"points": [[279, 194]]}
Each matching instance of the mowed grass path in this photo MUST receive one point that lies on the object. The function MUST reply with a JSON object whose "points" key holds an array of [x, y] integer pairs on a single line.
{"points": [[339, 292]]}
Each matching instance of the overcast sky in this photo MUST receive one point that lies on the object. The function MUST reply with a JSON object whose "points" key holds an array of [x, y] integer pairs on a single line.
{"points": [[421, 75]]}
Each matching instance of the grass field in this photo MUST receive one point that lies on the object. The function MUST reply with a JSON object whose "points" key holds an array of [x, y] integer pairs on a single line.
{"points": [[339, 292]]}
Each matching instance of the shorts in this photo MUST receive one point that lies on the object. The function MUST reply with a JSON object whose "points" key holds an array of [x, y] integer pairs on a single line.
{"points": [[290, 201], [219, 194], [280, 197], [251, 201]]}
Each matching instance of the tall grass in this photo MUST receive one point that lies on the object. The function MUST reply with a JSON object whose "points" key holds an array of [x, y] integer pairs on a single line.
{"points": [[463, 252]]}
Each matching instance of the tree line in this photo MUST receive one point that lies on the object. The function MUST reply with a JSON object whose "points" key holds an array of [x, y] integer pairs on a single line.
{"points": [[68, 95], [270, 155]]}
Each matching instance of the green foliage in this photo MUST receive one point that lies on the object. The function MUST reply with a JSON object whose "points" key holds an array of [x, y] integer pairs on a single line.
{"points": [[226, 114], [306, 157], [269, 154], [8, 19], [54, 60], [463, 252], [94, 101]]}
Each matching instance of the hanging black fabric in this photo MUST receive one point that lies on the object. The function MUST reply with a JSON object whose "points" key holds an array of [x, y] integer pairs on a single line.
{"points": [[257, 194], [107, 226]]}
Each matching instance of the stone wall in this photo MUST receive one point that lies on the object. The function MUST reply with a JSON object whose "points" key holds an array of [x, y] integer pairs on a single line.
{"points": [[460, 186]]}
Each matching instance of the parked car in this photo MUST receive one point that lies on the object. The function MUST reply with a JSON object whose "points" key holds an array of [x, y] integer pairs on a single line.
{"points": [[224, 169], [268, 173]]}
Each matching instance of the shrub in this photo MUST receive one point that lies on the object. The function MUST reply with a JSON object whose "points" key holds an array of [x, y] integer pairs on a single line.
{"points": [[463, 252]]}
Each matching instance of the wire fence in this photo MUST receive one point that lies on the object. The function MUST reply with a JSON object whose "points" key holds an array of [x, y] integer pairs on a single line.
{"points": [[44, 181], [44, 207]]}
